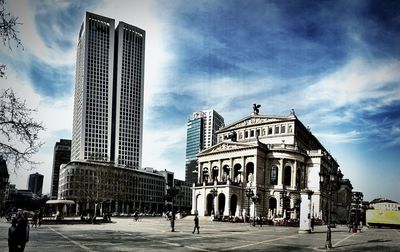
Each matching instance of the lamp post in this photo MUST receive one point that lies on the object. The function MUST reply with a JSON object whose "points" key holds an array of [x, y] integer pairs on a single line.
{"points": [[332, 179], [214, 193], [172, 192], [256, 199], [249, 194]]}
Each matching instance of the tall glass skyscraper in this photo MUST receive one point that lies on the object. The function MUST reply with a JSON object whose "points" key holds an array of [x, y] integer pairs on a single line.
{"points": [[108, 105], [62, 155], [201, 134]]}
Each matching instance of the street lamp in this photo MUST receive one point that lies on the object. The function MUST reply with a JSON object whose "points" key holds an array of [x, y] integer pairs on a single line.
{"points": [[249, 194], [332, 179], [256, 199], [214, 193], [172, 192]]}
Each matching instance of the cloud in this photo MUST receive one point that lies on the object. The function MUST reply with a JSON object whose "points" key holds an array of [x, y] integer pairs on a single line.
{"points": [[347, 137]]}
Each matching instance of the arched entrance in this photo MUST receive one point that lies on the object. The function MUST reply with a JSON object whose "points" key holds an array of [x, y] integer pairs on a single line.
{"points": [[233, 204], [221, 203], [210, 203], [272, 203]]}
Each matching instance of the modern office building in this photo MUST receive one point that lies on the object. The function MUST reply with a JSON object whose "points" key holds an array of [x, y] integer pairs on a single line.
{"points": [[62, 155], [35, 183], [273, 158], [201, 133], [113, 188], [108, 105]]}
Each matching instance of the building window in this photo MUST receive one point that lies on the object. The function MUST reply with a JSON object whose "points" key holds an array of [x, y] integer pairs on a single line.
{"points": [[283, 129], [274, 175], [276, 129], [288, 176], [269, 130], [246, 134]]}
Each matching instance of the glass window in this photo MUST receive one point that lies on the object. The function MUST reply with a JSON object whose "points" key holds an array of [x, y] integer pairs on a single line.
{"points": [[274, 175]]}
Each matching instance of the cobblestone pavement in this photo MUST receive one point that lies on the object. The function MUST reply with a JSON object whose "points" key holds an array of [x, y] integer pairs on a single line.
{"points": [[153, 234]]}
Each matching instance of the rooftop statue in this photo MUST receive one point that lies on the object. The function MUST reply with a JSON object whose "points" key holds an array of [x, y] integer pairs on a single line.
{"points": [[256, 108]]}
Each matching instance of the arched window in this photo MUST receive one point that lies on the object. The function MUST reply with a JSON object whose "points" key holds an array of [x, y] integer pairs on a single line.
{"points": [[274, 175], [226, 172], [250, 172], [205, 174], [236, 173], [288, 176], [215, 173]]}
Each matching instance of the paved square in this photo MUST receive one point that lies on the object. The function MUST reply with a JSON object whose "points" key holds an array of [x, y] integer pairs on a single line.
{"points": [[153, 234]]}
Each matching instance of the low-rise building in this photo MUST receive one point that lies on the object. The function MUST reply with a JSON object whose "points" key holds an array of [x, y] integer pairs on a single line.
{"points": [[112, 188]]}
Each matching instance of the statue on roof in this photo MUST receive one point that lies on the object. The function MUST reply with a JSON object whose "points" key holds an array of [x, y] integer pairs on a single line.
{"points": [[256, 108]]}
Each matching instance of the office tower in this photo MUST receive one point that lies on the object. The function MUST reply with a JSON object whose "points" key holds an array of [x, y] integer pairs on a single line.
{"points": [[35, 183], [201, 134], [62, 155], [108, 105]]}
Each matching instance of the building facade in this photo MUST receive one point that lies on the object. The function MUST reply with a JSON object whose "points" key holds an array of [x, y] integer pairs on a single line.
{"points": [[35, 183], [108, 102], [272, 157], [112, 188], [344, 197], [62, 155], [201, 133]]}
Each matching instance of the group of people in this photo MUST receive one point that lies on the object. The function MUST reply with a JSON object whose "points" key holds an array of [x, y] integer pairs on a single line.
{"points": [[18, 233], [37, 219]]}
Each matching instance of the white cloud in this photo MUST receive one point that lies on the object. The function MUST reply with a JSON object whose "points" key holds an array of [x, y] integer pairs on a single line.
{"points": [[156, 142], [346, 137], [31, 39], [359, 80]]}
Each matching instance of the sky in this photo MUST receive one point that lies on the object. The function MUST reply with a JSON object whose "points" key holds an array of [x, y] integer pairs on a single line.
{"points": [[336, 63]]}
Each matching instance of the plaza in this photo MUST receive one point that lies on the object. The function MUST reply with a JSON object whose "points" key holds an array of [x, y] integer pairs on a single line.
{"points": [[153, 234]]}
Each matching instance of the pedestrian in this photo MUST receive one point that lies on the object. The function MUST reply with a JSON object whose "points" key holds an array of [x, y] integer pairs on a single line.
{"points": [[35, 220], [22, 231], [40, 216], [12, 236], [312, 223], [196, 225]]}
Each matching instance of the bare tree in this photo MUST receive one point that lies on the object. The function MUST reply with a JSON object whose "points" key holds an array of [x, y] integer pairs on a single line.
{"points": [[8, 31], [18, 131]]}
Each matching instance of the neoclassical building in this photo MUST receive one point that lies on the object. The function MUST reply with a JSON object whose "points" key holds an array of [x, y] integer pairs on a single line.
{"points": [[276, 157]]}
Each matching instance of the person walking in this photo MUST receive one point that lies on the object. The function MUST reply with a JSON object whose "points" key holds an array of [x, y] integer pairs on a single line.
{"points": [[12, 236], [196, 225], [312, 223], [22, 231], [40, 216], [35, 220]]}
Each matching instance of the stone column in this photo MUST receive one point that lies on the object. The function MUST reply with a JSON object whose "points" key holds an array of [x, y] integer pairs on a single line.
{"points": [[280, 173], [305, 211]]}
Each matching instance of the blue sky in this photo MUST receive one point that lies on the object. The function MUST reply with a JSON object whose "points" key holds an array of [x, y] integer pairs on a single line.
{"points": [[335, 62]]}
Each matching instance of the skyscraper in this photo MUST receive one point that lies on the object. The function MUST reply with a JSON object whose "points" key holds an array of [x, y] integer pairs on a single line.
{"points": [[62, 155], [108, 105], [35, 183], [201, 134]]}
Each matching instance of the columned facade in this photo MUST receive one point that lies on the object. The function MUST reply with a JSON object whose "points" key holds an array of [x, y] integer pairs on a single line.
{"points": [[274, 157]]}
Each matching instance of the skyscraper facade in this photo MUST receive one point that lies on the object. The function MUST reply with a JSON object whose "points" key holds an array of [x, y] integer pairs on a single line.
{"points": [[108, 105], [35, 183], [62, 155], [201, 134]]}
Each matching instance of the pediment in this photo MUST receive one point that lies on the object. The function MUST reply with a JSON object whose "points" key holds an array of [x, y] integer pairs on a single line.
{"points": [[256, 120], [227, 146]]}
